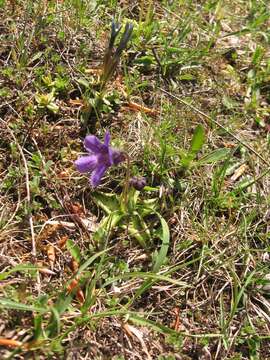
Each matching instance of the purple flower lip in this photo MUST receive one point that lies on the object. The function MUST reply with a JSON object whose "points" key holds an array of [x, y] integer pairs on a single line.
{"points": [[101, 157]]}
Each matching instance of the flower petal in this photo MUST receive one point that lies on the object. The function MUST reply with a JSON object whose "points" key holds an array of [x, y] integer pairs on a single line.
{"points": [[86, 163], [93, 144], [107, 138], [116, 156], [97, 175], [111, 155]]}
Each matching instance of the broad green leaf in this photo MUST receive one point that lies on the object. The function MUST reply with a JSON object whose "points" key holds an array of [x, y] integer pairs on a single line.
{"points": [[38, 327], [244, 183], [21, 267], [197, 140], [10, 304], [145, 60], [83, 82], [36, 57], [107, 225], [74, 250], [165, 237], [149, 205], [137, 228], [214, 156], [53, 107], [257, 55], [186, 77], [133, 196], [108, 202], [232, 167]]}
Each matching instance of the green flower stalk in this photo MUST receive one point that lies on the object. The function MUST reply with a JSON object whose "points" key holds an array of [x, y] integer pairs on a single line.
{"points": [[111, 60]]}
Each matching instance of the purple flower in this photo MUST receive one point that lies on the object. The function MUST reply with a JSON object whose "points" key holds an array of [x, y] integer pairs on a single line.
{"points": [[101, 157]]}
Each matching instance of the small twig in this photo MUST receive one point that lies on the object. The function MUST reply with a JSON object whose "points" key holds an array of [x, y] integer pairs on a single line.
{"points": [[216, 123]]}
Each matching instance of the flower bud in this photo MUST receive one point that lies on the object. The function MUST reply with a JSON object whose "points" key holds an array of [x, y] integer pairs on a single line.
{"points": [[137, 182]]}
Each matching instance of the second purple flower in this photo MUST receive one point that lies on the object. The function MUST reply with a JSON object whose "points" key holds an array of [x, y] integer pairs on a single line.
{"points": [[101, 157]]}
